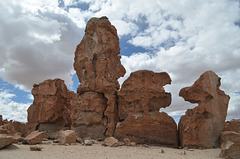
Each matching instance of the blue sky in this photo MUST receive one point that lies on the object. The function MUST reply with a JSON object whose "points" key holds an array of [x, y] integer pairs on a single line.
{"points": [[184, 38]]}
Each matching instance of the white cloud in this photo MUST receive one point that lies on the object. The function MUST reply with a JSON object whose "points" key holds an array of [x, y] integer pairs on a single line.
{"points": [[37, 42], [12, 110]]}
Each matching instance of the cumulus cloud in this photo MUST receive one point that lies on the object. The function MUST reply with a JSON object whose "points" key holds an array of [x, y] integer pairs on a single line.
{"points": [[37, 42], [12, 110]]}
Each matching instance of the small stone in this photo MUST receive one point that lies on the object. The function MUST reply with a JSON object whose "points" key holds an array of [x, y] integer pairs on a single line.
{"points": [[184, 153], [190, 149], [133, 144], [80, 140], [55, 141], [88, 142], [162, 151], [111, 142], [127, 141], [35, 148], [145, 145]]}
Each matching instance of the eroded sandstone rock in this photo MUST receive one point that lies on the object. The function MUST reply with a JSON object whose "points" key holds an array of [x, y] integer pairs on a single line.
{"points": [[5, 140], [232, 125], [1, 120], [230, 145], [34, 137], [143, 92], [67, 137], [140, 98], [201, 126], [111, 142], [50, 109], [230, 139], [149, 128], [98, 67]]}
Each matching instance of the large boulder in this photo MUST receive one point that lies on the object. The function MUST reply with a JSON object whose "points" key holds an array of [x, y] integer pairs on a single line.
{"points": [[201, 126], [230, 139], [5, 140], [98, 67], [230, 145], [139, 101], [149, 128], [67, 137], [50, 109], [34, 137]]}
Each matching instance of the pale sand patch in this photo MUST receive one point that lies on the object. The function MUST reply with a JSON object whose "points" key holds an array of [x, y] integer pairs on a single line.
{"points": [[97, 151]]}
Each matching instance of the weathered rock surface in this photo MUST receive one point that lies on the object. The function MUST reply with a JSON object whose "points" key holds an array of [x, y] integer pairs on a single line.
{"points": [[36, 148], [230, 139], [98, 67], [201, 126], [67, 137], [1, 120], [140, 98], [111, 142], [35, 138], [232, 125], [149, 128], [5, 140], [50, 109], [143, 92], [87, 115], [230, 145]]}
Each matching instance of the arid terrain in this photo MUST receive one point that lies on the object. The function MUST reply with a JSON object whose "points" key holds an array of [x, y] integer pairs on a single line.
{"points": [[79, 151]]}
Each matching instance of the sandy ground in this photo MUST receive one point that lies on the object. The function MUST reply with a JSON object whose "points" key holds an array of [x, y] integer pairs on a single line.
{"points": [[97, 151]]}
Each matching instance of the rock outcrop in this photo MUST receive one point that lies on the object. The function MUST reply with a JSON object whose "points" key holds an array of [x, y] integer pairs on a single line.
{"points": [[98, 68], [50, 109], [230, 140], [201, 126], [140, 98]]}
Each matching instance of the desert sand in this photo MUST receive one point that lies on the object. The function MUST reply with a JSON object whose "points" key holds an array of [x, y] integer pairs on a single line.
{"points": [[97, 151]]}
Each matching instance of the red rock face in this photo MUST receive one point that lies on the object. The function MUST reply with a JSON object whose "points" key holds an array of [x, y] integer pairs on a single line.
{"points": [[143, 92], [230, 140], [149, 128], [201, 126], [1, 120], [50, 109], [140, 98], [232, 125], [98, 67]]}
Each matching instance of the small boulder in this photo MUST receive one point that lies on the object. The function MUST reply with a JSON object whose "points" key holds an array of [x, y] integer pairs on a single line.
{"points": [[35, 137], [111, 142], [127, 141], [67, 137], [88, 142], [35, 148], [80, 140], [5, 140]]}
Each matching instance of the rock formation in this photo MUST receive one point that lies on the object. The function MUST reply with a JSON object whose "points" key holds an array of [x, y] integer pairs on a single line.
{"points": [[1, 120], [50, 109], [140, 98], [98, 68], [201, 126], [230, 140]]}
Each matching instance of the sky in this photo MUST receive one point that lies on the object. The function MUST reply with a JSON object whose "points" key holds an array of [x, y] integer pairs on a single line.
{"points": [[185, 38]]}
